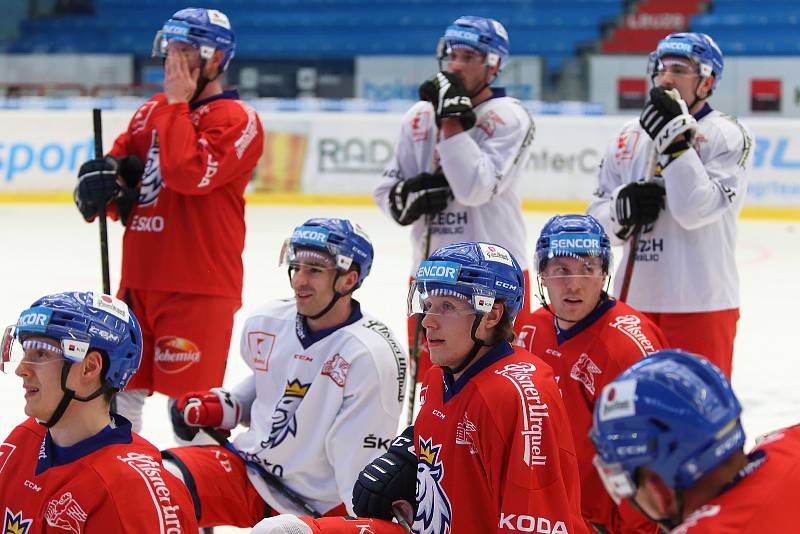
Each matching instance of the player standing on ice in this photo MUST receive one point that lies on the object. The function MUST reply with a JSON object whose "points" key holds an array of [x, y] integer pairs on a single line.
{"points": [[323, 400], [669, 439], [73, 465], [455, 175], [588, 338], [685, 276], [184, 217], [491, 449]]}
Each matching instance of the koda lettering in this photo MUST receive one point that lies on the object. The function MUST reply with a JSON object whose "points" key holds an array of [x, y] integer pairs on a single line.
{"points": [[145, 223], [528, 523]]}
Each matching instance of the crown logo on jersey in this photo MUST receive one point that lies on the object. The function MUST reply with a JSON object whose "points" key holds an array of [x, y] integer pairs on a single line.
{"points": [[296, 389], [428, 452], [15, 524]]}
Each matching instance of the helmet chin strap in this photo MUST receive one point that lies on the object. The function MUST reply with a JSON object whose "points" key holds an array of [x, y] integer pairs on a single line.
{"points": [[70, 394]]}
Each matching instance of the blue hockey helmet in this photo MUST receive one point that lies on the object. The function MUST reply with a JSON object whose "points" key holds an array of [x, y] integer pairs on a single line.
{"points": [[205, 29], [673, 413], [345, 242], [699, 48], [575, 236], [480, 272], [81, 322], [485, 35]]}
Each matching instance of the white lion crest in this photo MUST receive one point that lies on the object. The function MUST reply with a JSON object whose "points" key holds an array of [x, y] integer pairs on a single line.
{"points": [[433, 509]]}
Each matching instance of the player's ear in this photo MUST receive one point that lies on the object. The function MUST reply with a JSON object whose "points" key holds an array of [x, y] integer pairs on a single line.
{"points": [[92, 366], [346, 282]]}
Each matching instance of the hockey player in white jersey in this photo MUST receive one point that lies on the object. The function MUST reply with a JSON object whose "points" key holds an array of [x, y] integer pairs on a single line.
{"points": [[685, 276], [455, 174], [323, 399]]}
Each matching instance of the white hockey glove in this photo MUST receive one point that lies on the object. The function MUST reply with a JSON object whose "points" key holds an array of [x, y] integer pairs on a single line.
{"points": [[665, 117], [282, 524], [215, 408]]}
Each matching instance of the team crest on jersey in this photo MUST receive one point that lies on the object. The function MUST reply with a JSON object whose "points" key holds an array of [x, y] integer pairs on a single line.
{"points": [[151, 179], [284, 422], [421, 126], [489, 123], [626, 145], [15, 524], [465, 433], [525, 337], [336, 368], [65, 513], [434, 513], [584, 370]]}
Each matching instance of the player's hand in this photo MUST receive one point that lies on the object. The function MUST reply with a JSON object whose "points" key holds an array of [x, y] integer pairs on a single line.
{"points": [[449, 97], [667, 120], [97, 186], [215, 408], [180, 82], [638, 203], [422, 194], [389, 478]]}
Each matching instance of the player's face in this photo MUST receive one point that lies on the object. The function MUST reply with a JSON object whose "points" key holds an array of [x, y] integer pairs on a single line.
{"points": [[573, 286], [189, 52], [448, 328], [470, 66], [40, 370], [312, 282], [681, 74]]}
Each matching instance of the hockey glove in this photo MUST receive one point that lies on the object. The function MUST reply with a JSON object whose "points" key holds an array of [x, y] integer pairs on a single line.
{"points": [[104, 180], [97, 186], [638, 204], [422, 194], [215, 408], [665, 117], [390, 477], [449, 97]]}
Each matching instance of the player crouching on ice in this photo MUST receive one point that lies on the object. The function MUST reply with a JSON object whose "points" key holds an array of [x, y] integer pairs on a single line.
{"points": [[73, 465], [670, 440], [326, 389], [491, 448], [588, 338]]}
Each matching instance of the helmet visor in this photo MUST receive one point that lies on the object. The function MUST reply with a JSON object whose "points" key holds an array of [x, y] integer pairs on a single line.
{"points": [[436, 298], [617, 481], [178, 31], [13, 352]]}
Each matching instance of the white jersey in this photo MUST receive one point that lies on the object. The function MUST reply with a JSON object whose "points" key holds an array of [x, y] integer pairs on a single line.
{"points": [[482, 166], [686, 259], [321, 406]]}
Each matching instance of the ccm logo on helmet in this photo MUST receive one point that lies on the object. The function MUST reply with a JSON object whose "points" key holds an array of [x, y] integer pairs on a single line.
{"points": [[505, 285], [528, 523]]}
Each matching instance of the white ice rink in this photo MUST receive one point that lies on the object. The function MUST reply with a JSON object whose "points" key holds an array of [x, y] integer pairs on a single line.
{"points": [[48, 248]]}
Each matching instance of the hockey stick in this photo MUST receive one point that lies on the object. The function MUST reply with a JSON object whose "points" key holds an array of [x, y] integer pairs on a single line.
{"points": [[637, 232], [98, 153], [269, 479]]}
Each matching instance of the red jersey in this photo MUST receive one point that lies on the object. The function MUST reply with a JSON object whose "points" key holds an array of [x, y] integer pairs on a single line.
{"points": [[495, 450], [111, 482], [762, 497], [585, 358], [186, 233]]}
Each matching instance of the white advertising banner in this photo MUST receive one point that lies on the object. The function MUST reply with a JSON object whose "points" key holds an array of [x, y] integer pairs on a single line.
{"points": [[345, 153]]}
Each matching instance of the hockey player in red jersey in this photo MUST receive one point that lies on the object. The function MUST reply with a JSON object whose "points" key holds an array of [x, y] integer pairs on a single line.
{"points": [[588, 338], [183, 211], [73, 466], [669, 439], [491, 449]]}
